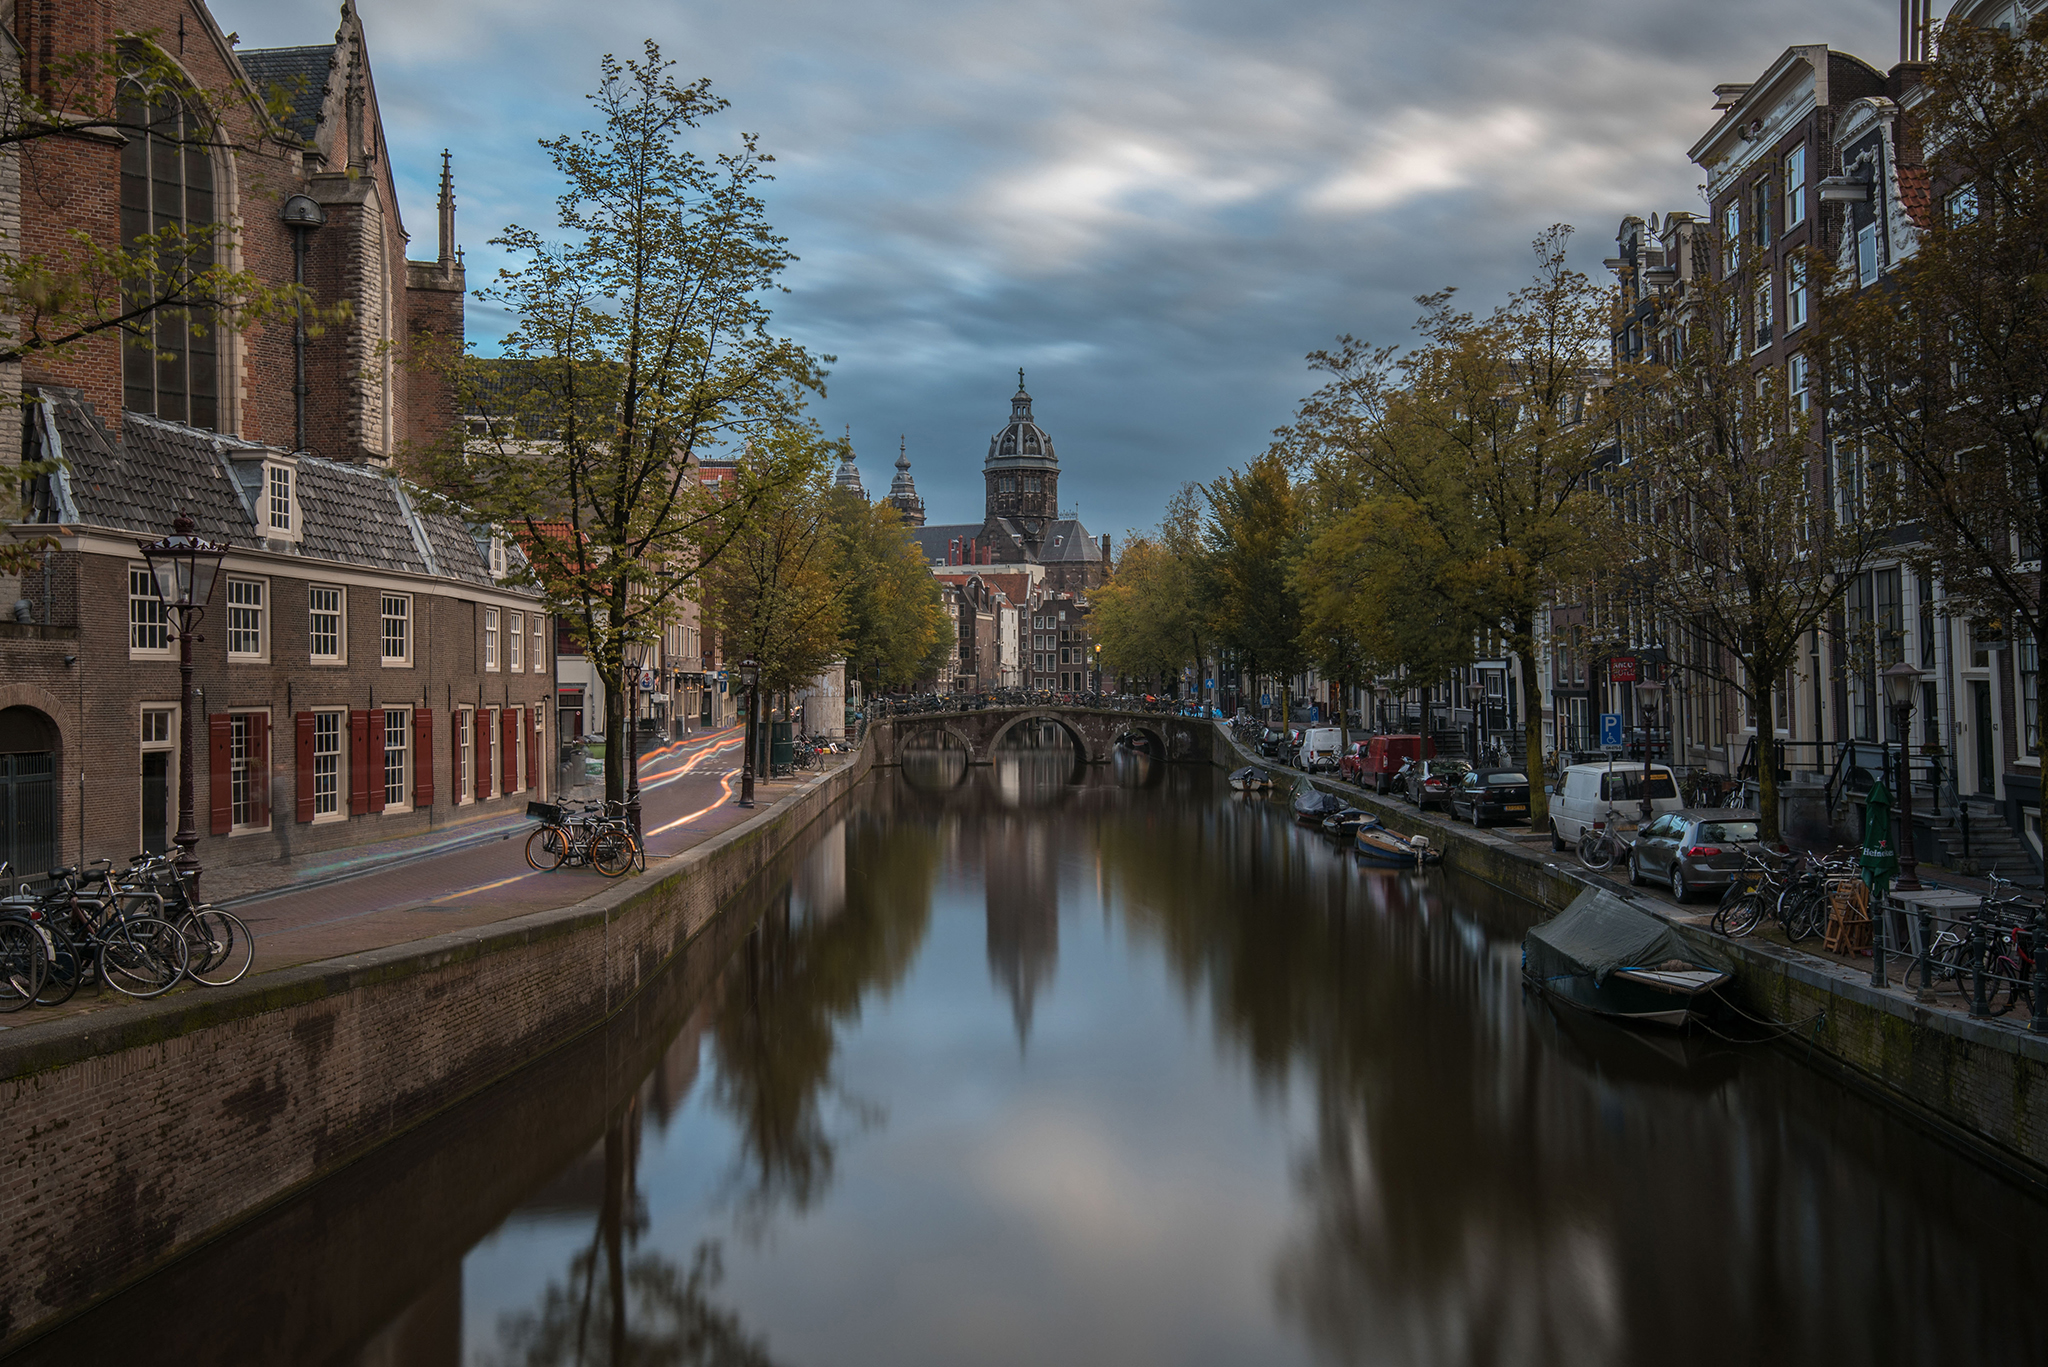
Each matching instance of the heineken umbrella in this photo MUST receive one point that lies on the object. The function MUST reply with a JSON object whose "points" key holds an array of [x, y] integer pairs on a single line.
{"points": [[1880, 860]]}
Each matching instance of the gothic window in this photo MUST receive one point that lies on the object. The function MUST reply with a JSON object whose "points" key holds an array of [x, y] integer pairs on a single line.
{"points": [[168, 362]]}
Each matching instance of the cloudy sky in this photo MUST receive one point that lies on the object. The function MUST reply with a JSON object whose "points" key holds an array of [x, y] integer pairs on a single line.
{"points": [[1156, 207]]}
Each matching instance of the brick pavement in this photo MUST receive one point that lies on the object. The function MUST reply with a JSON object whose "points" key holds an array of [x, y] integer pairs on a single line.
{"points": [[687, 795]]}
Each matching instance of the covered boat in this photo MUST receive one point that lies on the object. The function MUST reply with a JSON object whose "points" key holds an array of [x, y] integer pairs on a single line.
{"points": [[1311, 804], [1386, 849], [1607, 955], [1250, 779], [1344, 824]]}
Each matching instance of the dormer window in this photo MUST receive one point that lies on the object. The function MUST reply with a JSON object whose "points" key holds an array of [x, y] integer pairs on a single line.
{"points": [[497, 558], [278, 480]]}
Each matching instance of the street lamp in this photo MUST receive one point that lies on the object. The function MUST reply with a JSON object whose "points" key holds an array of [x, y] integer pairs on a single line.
{"points": [[750, 675], [1901, 682], [1648, 692], [634, 655], [1474, 691], [182, 566]]}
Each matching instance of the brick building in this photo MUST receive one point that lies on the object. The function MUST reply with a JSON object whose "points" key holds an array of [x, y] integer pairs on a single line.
{"points": [[362, 670]]}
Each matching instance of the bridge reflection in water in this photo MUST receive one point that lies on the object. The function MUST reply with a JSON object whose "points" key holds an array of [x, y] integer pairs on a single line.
{"points": [[1044, 1062]]}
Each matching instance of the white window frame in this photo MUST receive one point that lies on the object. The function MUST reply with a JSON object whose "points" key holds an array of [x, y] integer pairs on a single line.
{"points": [[519, 774], [465, 749], [339, 655], [165, 744], [280, 501], [1731, 234], [1799, 382], [539, 663], [1795, 187], [337, 719], [398, 722], [515, 642], [1962, 205], [490, 640], [258, 589], [1762, 316], [1795, 295], [240, 768], [385, 617], [1868, 266], [148, 618]]}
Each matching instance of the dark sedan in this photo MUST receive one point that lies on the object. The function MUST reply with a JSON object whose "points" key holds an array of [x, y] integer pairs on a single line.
{"points": [[1693, 849], [1434, 780], [1491, 795]]}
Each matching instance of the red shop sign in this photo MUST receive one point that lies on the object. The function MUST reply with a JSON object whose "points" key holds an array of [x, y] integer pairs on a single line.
{"points": [[1622, 670]]}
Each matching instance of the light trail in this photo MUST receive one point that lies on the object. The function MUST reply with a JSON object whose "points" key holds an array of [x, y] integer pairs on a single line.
{"points": [[724, 793]]}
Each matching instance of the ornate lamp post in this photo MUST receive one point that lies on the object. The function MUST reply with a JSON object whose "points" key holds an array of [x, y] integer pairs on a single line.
{"points": [[750, 675], [635, 655], [182, 566], [1901, 682], [1474, 692], [1649, 692]]}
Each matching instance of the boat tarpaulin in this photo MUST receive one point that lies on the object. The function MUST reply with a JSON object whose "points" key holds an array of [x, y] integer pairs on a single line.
{"points": [[1598, 933]]}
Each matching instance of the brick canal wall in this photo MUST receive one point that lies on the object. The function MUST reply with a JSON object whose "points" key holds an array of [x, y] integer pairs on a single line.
{"points": [[139, 1133], [1979, 1085]]}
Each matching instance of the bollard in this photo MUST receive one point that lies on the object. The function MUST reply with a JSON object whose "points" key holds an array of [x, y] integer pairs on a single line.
{"points": [[1926, 993], [2040, 1021], [1979, 950]]}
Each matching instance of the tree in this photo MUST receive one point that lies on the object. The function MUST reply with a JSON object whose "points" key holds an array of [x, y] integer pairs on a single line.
{"points": [[1484, 441], [1151, 616], [1943, 373], [1716, 508], [54, 301], [1253, 534], [638, 347], [892, 617]]}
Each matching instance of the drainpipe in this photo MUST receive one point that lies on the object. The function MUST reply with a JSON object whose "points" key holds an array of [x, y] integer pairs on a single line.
{"points": [[302, 216]]}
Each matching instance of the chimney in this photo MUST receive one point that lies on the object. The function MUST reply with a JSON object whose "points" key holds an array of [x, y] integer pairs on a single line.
{"points": [[1915, 17]]}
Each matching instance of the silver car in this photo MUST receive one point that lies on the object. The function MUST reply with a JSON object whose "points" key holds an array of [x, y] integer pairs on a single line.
{"points": [[1693, 849]]}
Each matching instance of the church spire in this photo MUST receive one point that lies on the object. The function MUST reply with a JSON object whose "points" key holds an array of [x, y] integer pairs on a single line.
{"points": [[903, 490], [447, 207]]}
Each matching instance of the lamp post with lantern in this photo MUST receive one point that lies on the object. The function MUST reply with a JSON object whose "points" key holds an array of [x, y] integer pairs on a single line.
{"points": [[1901, 682], [636, 655], [1649, 692], [182, 567], [750, 675]]}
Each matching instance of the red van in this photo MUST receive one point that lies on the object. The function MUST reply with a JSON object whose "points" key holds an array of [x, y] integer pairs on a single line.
{"points": [[1381, 757]]}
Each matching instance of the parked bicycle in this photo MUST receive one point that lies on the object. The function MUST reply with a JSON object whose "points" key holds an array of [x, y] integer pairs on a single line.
{"points": [[1600, 844], [593, 833]]}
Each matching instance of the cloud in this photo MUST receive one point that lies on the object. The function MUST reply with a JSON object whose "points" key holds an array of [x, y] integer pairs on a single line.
{"points": [[1158, 206]]}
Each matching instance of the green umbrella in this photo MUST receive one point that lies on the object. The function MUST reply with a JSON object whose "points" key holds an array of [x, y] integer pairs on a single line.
{"points": [[1880, 860]]}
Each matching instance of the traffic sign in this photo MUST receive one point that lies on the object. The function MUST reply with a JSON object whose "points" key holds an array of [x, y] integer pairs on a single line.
{"points": [[1265, 699], [1610, 730]]}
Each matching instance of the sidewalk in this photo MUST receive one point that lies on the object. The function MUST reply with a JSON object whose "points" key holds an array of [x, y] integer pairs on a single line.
{"points": [[406, 890]]}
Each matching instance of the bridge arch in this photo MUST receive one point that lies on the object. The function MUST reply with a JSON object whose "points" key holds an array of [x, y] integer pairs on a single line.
{"points": [[912, 730], [1080, 739]]}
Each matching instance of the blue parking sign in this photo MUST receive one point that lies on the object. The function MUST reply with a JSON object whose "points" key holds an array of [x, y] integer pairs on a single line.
{"points": [[1610, 730]]}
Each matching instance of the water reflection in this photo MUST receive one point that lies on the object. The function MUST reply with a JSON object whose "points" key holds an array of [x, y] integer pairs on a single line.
{"points": [[1035, 1062]]}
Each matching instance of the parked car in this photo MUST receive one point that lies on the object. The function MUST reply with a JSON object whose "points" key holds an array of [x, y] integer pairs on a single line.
{"points": [[1434, 780], [1491, 795], [1694, 849], [1380, 759], [1586, 792], [1272, 743], [1317, 752]]}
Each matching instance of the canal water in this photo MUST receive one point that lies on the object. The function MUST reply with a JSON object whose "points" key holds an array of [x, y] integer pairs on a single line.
{"points": [[1037, 1064]]}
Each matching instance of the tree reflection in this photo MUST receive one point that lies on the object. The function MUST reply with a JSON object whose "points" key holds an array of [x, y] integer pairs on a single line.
{"points": [[622, 1306], [799, 979]]}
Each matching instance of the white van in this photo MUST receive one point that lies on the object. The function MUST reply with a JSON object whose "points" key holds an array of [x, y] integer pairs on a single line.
{"points": [[1587, 791], [1320, 749]]}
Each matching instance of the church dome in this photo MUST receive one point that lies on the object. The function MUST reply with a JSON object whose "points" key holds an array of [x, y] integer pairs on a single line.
{"points": [[1022, 442]]}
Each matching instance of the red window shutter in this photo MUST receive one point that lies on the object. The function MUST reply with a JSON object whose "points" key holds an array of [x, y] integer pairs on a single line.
{"points": [[422, 758], [220, 761], [533, 756], [358, 763], [376, 775], [485, 720], [259, 769], [508, 747], [302, 788]]}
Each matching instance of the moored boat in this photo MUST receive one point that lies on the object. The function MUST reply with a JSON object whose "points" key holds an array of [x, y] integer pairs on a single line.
{"points": [[1311, 804], [1345, 824], [1250, 779], [1606, 955], [1386, 849]]}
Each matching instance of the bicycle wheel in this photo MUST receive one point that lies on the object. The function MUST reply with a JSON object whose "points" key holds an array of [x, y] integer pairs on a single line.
{"points": [[2003, 989], [611, 852], [219, 946], [24, 964], [144, 957], [1747, 913], [67, 965], [547, 847], [1596, 851]]}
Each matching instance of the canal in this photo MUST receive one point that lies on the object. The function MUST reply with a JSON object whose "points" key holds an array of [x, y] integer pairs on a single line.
{"points": [[1036, 1064]]}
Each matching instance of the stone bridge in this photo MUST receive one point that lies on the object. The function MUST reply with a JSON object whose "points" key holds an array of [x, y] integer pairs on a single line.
{"points": [[1094, 732]]}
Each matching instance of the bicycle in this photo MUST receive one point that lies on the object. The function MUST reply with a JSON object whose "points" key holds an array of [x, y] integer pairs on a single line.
{"points": [[1599, 846], [221, 947], [1749, 896], [134, 953], [595, 834]]}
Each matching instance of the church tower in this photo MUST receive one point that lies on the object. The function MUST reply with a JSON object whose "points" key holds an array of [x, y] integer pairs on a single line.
{"points": [[903, 489], [1022, 473]]}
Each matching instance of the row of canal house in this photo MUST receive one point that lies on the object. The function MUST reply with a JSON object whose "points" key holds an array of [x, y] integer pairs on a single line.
{"points": [[365, 669], [1816, 113]]}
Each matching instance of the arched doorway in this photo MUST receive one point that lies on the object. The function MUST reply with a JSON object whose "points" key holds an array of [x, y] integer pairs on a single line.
{"points": [[28, 790]]}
